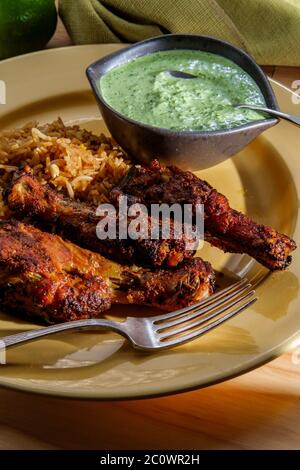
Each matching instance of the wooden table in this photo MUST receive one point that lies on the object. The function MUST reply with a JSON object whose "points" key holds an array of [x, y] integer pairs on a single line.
{"points": [[259, 410]]}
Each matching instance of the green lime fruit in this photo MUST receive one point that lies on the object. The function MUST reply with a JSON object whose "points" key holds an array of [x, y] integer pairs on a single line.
{"points": [[25, 25]]}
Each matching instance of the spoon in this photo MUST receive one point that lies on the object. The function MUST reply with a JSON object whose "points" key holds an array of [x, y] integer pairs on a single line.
{"points": [[179, 74], [272, 112]]}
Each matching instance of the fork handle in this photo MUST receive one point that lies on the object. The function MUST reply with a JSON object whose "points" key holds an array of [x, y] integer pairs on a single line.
{"points": [[33, 335]]}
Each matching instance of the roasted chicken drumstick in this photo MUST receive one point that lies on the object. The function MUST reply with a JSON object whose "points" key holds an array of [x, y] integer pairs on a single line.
{"points": [[48, 277], [224, 227], [77, 222]]}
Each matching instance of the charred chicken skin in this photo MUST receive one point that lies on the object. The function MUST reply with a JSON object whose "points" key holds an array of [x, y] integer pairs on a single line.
{"points": [[45, 276], [77, 221], [225, 228]]}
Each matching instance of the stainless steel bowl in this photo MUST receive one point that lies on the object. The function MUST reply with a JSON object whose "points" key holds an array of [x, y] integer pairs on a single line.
{"points": [[192, 150]]}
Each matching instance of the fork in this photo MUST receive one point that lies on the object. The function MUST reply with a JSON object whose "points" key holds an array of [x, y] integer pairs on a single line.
{"points": [[161, 331]]}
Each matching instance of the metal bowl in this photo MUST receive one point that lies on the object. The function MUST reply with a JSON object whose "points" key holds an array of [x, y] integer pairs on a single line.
{"points": [[193, 150]]}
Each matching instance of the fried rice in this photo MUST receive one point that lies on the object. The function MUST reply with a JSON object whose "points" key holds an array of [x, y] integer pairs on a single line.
{"points": [[71, 159]]}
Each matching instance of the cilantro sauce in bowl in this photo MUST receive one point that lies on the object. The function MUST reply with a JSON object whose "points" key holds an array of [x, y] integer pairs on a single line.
{"points": [[191, 123], [143, 91]]}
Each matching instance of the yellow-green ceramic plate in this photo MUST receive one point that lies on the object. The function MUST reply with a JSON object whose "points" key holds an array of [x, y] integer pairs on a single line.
{"points": [[263, 180]]}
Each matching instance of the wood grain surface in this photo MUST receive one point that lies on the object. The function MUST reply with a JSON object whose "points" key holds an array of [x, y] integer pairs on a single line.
{"points": [[258, 410]]}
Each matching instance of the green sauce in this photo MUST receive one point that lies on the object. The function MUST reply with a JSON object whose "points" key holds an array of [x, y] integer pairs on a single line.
{"points": [[141, 90]]}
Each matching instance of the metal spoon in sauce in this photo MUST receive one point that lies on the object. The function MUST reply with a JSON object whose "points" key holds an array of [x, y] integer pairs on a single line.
{"points": [[179, 74], [272, 112]]}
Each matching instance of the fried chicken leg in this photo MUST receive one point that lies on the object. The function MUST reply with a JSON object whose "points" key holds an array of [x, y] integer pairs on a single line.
{"points": [[48, 277], [77, 221], [225, 228]]}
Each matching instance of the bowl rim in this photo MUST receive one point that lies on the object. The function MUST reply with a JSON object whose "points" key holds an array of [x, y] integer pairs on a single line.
{"points": [[94, 73]]}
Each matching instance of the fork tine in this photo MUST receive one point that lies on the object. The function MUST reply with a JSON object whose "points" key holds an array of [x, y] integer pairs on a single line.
{"points": [[201, 331], [199, 310], [204, 302], [204, 319]]}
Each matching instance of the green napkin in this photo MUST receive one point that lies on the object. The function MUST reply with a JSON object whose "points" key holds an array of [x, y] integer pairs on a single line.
{"points": [[268, 29]]}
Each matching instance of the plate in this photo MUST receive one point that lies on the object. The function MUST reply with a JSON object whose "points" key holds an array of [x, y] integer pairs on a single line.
{"points": [[263, 180]]}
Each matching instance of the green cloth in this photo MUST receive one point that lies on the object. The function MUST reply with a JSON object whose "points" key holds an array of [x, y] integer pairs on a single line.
{"points": [[267, 29]]}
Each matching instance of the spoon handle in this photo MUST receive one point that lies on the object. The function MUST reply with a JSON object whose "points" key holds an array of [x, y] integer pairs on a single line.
{"points": [[273, 112]]}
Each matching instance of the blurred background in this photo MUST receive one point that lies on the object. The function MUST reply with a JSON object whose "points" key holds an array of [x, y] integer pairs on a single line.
{"points": [[267, 29]]}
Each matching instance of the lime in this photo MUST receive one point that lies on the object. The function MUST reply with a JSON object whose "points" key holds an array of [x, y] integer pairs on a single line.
{"points": [[25, 25]]}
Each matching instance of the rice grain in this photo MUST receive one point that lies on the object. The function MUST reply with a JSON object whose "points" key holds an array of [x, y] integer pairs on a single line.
{"points": [[73, 160]]}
